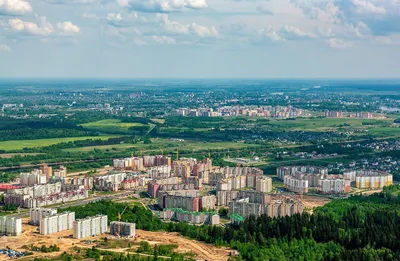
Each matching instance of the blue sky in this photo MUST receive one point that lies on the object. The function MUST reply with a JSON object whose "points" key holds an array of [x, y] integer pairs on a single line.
{"points": [[200, 38]]}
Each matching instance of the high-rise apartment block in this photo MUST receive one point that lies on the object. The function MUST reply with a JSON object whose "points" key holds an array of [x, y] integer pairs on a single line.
{"points": [[90, 226], [56, 223]]}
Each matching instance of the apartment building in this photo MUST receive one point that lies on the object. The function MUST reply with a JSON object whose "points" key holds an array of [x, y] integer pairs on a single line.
{"points": [[42, 195], [123, 229], [35, 177], [187, 200], [10, 226], [273, 206], [334, 184], [311, 171], [61, 172], [298, 183], [192, 217], [36, 214], [56, 223], [90, 226], [333, 114]]}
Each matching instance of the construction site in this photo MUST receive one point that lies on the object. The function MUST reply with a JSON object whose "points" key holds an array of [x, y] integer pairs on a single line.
{"points": [[64, 240]]}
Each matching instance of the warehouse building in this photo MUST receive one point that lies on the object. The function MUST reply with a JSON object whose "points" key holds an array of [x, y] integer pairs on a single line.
{"points": [[10, 226], [36, 214], [56, 223], [123, 229], [90, 226]]}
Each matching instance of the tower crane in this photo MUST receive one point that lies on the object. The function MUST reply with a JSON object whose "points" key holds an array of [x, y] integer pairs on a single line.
{"points": [[119, 221]]}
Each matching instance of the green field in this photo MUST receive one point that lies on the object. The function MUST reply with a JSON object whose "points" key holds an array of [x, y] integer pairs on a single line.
{"points": [[20, 144], [112, 126], [322, 123], [168, 146]]}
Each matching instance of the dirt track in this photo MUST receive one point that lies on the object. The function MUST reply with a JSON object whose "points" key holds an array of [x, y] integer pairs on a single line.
{"points": [[203, 251], [66, 243]]}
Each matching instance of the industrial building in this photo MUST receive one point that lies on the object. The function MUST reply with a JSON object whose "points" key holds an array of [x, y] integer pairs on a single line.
{"points": [[36, 214], [123, 229], [90, 226], [10, 226], [56, 223]]}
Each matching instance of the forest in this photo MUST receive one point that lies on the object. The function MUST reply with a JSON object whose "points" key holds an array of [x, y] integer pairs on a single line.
{"points": [[357, 228]]}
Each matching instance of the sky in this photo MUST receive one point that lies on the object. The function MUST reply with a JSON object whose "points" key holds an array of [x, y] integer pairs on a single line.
{"points": [[199, 38]]}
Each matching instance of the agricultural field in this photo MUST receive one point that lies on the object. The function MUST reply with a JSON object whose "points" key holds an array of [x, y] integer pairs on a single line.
{"points": [[168, 146], [20, 144], [113, 126], [322, 124]]}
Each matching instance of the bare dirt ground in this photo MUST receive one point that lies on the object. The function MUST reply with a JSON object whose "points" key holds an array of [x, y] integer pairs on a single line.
{"points": [[202, 250], [311, 202], [66, 243]]}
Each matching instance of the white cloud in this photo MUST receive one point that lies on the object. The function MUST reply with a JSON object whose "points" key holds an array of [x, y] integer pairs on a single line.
{"points": [[365, 6], [115, 17], [383, 40], [203, 31], [291, 32], [87, 15], [161, 6], [13, 7], [68, 28], [196, 4], [172, 26], [5, 48], [271, 33], [338, 43], [43, 29], [164, 39], [287, 32]]}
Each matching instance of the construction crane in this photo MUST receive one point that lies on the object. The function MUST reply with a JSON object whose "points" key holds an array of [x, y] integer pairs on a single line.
{"points": [[119, 221]]}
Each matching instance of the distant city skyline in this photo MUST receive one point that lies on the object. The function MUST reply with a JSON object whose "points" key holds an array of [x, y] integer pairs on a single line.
{"points": [[259, 39]]}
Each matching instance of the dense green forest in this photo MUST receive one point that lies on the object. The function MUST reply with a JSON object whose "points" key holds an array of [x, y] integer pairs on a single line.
{"points": [[358, 228]]}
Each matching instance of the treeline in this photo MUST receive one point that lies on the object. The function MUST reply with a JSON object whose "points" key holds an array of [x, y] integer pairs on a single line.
{"points": [[358, 228], [12, 129], [45, 133]]}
